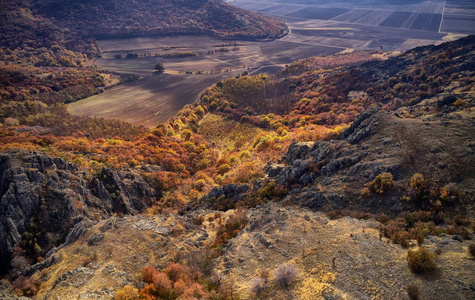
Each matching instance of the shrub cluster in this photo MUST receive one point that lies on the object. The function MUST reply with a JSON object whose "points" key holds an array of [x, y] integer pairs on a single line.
{"points": [[234, 224], [420, 260], [382, 183]]}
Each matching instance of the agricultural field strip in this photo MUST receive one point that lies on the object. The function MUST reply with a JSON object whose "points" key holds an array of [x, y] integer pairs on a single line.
{"points": [[362, 16], [288, 9], [368, 15], [413, 43], [459, 16], [400, 19], [459, 11], [458, 25], [308, 41], [425, 7], [336, 22], [173, 48], [330, 42]]}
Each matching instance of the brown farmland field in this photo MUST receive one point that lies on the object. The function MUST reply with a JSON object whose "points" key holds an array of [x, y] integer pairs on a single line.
{"points": [[364, 16], [155, 98], [318, 13], [459, 17], [387, 24], [148, 101]]}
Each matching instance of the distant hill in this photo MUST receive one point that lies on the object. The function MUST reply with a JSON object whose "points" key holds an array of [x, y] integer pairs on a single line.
{"points": [[126, 17], [59, 33]]}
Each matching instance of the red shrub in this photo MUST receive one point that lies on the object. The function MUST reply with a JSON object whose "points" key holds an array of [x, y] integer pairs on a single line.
{"points": [[148, 273], [177, 271]]}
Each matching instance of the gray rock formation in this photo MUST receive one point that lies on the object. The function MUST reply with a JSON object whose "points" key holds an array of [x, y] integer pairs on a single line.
{"points": [[364, 126], [223, 197], [42, 198]]}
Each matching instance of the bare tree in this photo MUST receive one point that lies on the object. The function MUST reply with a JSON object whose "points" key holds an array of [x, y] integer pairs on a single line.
{"points": [[285, 274]]}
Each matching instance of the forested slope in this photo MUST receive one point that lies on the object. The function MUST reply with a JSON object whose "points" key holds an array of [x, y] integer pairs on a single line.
{"points": [[62, 33]]}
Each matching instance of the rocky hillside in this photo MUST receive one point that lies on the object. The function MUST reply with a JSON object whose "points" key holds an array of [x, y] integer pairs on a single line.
{"points": [[42, 198], [183, 211], [343, 258], [332, 174]]}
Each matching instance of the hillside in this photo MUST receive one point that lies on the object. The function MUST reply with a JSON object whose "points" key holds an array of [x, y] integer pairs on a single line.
{"points": [[124, 18], [62, 33], [330, 257], [237, 184]]}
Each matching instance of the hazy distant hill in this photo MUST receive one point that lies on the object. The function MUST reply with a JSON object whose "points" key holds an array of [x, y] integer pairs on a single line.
{"points": [[59, 33], [125, 17]]}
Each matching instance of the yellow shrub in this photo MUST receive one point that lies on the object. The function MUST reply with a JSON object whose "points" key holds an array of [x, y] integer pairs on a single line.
{"points": [[313, 289], [382, 183], [420, 260], [127, 293]]}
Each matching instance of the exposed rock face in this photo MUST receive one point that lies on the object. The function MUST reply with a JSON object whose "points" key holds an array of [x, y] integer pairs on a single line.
{"points": [[364, 126], [307, 161], [297, 151], [225, 197], [329, 175], [49, 196]]}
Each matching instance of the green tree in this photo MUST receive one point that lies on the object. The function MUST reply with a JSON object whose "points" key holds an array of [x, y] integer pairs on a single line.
{"points": [[159, 67]]}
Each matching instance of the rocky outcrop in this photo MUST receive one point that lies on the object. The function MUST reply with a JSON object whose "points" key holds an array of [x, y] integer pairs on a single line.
{"points": [[222, 197], [364, 126], [297, 151], [124, 192], [307, 160], [42, 198], [332, 164]]}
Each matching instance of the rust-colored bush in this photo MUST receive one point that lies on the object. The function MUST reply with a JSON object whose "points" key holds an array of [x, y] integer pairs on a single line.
{"points": [[178, 271], [148, 273], [195, 291], [162, 285]]}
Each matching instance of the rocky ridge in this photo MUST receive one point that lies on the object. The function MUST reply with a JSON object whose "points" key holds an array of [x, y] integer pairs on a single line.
{"points": [[331, 174], [41, 198]]}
